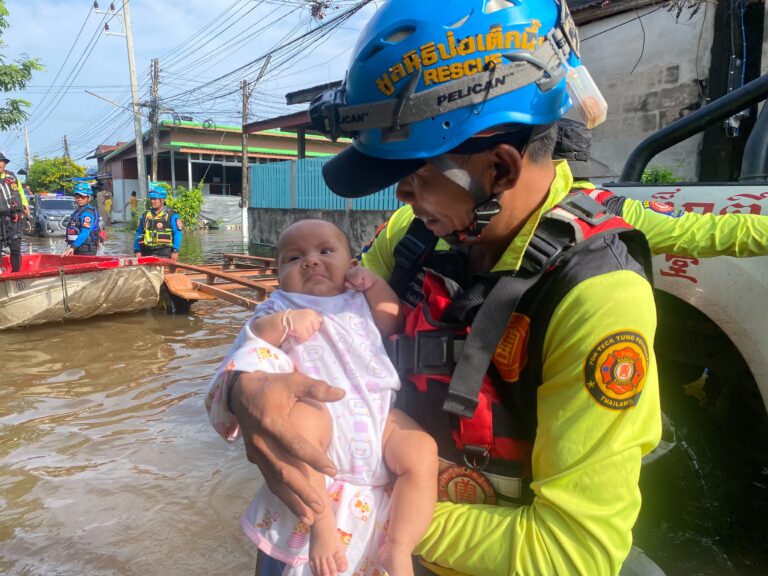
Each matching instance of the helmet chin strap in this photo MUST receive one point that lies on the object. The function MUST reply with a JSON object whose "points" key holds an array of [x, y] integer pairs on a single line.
{"points": [[486, 206]]}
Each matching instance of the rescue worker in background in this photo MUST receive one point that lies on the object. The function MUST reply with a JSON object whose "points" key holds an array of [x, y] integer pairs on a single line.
{"points": [[669, 230], [14, 209], [569, 404], [83, 225], [160, 229]]}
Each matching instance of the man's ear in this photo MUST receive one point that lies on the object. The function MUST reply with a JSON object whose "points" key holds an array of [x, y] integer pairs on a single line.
{"points": [[507, 164]]}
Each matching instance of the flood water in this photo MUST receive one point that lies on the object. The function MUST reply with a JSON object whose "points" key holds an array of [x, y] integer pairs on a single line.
{"points": [[108, 465], [107, 462]]}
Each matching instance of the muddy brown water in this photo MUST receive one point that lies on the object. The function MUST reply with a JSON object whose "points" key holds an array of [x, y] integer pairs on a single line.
{"points": [[108, 465], [107, 462]]}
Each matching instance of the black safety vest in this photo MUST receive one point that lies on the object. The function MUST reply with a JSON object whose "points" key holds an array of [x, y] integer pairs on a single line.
{"points": [[496, 433], [158, 231], [73, 226], [10, 197]]}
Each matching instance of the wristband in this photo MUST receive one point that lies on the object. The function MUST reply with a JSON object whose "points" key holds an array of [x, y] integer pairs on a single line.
{"points": [[287, 324]]}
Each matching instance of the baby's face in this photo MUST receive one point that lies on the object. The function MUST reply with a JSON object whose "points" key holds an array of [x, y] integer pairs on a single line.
{"points": [[313, 258]]}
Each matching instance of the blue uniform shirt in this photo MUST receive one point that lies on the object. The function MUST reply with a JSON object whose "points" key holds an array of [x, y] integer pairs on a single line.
{"points": [[83, 226]]}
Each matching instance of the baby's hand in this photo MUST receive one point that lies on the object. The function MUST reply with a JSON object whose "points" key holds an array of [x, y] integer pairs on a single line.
{"points": [[360, 279], [302, 324]]}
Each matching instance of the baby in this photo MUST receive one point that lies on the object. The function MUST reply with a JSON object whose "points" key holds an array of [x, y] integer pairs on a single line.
{"points": [[327, 321]]}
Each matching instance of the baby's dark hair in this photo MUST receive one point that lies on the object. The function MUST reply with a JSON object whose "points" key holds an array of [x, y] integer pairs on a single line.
{"points": [[346, 236]]}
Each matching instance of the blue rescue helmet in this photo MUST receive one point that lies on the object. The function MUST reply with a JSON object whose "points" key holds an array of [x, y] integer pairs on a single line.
{"points": [[83, 189], [157, 191], [426, 77]]}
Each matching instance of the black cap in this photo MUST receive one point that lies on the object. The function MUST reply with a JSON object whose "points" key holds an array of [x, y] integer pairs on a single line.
{"points": [[3, 158], [574, 143], [352, 174]]}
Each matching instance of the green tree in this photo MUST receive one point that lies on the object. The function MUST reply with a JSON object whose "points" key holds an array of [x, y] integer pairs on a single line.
{"points": [[48, 174], [14, 77], [658, 175], [186, 203]]}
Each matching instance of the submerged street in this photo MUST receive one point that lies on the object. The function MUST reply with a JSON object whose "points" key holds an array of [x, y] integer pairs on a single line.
{"points": [[107, 462]]}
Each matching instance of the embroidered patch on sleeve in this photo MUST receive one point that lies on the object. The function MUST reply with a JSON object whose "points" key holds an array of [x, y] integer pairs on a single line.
{"points": [[663, 208], [178, 224], [615, 370], [86, 221]]}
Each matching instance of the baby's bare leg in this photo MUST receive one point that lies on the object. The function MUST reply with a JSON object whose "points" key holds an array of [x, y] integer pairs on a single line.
{"points": [[411, 454], [326, 551]]}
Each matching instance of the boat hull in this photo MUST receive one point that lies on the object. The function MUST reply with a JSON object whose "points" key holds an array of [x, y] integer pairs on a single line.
{"points": [[55, 288]]}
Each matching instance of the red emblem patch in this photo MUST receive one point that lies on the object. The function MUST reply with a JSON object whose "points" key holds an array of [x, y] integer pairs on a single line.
{"points": [[663, 208], [159, 225], [178, 224], [86, 221], [512, 352], [463, 485], [660, 207], [615, 370]]}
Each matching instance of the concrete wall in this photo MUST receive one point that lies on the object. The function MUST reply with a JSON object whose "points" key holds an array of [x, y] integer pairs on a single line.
{"points": [[662, 87], [266, 224]]}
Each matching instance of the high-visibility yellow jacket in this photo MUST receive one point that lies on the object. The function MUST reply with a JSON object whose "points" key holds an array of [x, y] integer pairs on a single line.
{"points": [[693, 234], [586, 456]]}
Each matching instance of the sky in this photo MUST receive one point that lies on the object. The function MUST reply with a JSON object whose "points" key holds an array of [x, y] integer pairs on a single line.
{"points": [[203, 47]]}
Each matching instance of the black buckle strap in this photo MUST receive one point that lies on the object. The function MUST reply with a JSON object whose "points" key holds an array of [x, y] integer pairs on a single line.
{"points": [[551, 239], [544, 248], [433, 352], [410, 254], [585, 208]]}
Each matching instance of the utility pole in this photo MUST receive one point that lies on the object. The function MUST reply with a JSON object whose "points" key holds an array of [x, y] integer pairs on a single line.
{"points": [[27, 152], [126, 19], [66, 147], [246, 194], [154, 115]]}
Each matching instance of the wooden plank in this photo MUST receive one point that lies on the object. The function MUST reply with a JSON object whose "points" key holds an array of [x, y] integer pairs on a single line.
{"points": [[231, 286], [229, 260], [181, 286], [212, 274], [261, 273], [230, 297]]}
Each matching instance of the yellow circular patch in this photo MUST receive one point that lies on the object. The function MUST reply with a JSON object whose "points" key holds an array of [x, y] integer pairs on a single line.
{"points": [[616, 368]]}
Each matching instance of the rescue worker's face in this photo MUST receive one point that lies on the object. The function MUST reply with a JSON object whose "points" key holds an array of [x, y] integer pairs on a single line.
{"points": [[2, 165], [443, 205], [82, 199], [313, 257], [156, 203]]}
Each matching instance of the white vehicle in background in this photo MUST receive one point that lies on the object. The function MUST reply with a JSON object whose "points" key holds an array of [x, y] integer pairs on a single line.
{"points": [[710, 475], [50, 214]]}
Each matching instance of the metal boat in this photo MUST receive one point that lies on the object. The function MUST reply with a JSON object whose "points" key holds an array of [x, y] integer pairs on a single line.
{"points": [[52, 288]]}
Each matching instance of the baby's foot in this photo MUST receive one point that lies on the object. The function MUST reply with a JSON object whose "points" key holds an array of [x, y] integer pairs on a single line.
{"points": [[327, 555], [396, 559]]}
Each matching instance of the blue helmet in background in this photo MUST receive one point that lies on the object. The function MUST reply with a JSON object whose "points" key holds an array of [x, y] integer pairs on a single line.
{"points": [[157, 191], [83, 189], [427, 76]]}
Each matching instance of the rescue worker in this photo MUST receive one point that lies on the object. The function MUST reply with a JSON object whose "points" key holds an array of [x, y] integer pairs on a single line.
{"points": [[160, 229], [14, 209], [554, 399], [669, 230], [83, 225]]}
